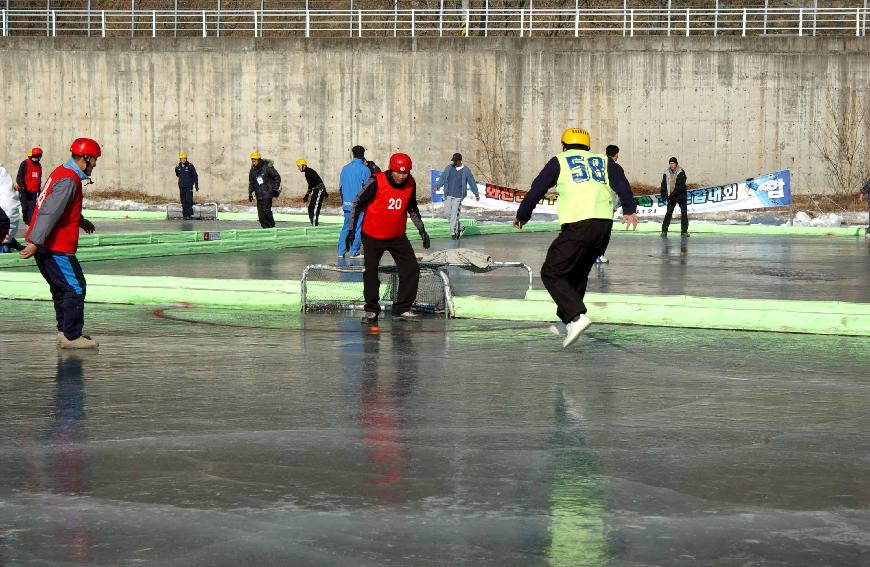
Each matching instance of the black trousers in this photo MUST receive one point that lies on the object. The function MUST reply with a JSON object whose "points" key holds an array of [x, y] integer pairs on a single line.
{"points": [[264, 213], [409, 272], [67, 284], [186, 196], [28, 205], [315, 203], [570, 258], [684, 215]]}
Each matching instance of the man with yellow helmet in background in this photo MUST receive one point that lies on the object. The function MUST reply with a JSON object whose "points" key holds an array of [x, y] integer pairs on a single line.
{"points": [[264, 182], [316, 191], [583, 181], [188, 180]]}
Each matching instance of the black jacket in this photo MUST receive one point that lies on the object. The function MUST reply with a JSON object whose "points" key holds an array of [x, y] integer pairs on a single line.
{"points": [[186, 174], [373, 167], [312, 178], [679, 185], [4, 225], [271, 180]]}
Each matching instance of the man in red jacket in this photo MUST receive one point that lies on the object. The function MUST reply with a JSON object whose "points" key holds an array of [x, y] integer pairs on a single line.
{"points": [[53, 238], [28, 182], [388, 199]]}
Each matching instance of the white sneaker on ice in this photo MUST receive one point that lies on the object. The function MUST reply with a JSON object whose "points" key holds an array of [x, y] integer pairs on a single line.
{"points": [[557, 328], [574, 328]]}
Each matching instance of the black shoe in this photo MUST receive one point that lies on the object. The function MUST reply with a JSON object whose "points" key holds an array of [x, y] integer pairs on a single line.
{"points": [[369, 318], [453, 236], [15, 245]]}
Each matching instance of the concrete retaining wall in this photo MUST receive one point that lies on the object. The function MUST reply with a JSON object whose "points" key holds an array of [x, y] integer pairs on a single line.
{"points": [[727, 107]]}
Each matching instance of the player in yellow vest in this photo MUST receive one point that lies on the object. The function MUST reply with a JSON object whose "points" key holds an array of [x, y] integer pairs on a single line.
{"points": [[583, 181]]}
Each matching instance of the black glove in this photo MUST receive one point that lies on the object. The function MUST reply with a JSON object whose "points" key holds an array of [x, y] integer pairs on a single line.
{"points": [[197, 189], [426, 241], [250, 197]]}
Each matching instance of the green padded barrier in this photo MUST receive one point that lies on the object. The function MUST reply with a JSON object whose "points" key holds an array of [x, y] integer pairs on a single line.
{"points": [[814, 317]]}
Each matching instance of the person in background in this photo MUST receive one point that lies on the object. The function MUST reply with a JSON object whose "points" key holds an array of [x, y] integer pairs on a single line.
{"points": [[351, 180], [29, 182], [673, 190], [188, 180], [456, 180], [264, 181], [316, 191], [10, 204], [864, 194], [53, 239], [612, 153]]}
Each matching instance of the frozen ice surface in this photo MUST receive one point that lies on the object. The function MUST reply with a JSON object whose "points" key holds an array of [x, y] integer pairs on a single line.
{"points": [[233, 438], [766, 267]]}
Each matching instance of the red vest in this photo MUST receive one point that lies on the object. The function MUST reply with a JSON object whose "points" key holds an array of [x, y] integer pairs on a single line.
{"points": [[33, 176], [65, 235], [386, 215]]}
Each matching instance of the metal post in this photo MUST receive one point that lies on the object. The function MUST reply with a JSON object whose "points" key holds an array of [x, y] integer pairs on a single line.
{"points": [[441, 18], [255, 22], [350, 19], [5, 33], [307, 22], [218, 25], [175, 18], [815, 16], [413, 23], [864, 25], [577, 20], [47, 18], [669, 18], [857, 22], [395, 17], [89, 18], [632, 23], [132, 18], [103, 22], [153, 23], [687, 22], [486, 17], [716, 20], [204, 28], [531, 15], [766, 6], [467, 22], [359, 23], [800, 22], [744, 22], [54, 23], [522, 21], [624, 16]]}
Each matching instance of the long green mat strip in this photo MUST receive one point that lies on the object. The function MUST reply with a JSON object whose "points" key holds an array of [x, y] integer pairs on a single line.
{"points": [[813, 317]]}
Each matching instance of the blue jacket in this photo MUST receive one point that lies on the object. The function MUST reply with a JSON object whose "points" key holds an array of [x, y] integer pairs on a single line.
{"points": [[455, 182], [350, 182]]}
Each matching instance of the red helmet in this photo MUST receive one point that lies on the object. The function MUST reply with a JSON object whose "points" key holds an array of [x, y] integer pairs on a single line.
{"points": [[85, 147], [400, 163], [36, 152]]}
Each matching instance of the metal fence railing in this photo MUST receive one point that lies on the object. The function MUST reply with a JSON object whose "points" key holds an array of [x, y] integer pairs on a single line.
{"points": [[526, 22]]}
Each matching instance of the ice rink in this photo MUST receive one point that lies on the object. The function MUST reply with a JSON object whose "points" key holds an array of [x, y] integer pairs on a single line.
{"points": [[200, 436]]}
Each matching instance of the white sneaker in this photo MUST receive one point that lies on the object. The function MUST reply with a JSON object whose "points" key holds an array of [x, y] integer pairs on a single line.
{"points": [[574, 328], [602, 260], [408, 316], [557, 328], [83, 341]]}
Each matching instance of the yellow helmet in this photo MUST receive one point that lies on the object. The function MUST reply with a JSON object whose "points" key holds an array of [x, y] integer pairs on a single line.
{"points": [[576, 136], [301, 161], [182, 155], [256, 155]]}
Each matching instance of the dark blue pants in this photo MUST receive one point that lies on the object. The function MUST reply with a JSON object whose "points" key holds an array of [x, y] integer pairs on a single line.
{"points": [[67, 284], [186, 194]]}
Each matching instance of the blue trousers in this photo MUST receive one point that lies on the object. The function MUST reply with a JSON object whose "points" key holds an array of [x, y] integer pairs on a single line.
{"points": [[67, 284], [357, 239]]}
